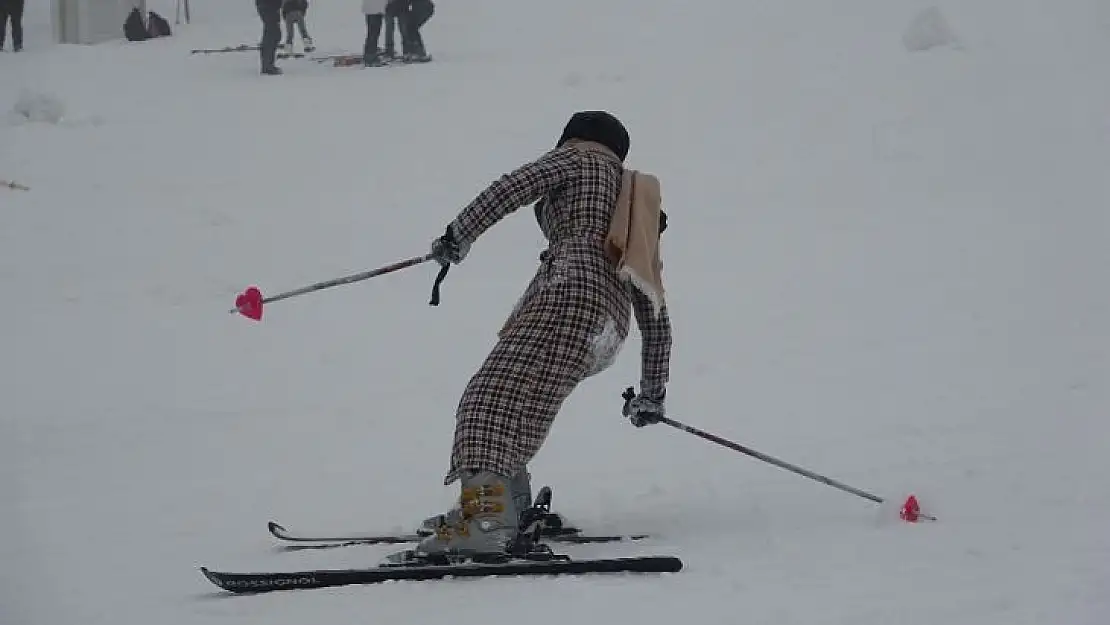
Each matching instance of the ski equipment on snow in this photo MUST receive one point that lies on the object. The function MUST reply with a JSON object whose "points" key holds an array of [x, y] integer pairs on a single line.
{"points": [[526, 555], [910, 511]]}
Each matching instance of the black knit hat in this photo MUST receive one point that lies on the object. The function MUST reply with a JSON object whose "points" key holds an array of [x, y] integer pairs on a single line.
{"points": [[598, 126]]}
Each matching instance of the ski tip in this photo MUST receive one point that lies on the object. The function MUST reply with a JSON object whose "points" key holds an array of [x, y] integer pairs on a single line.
{"points": [[274, 527]]}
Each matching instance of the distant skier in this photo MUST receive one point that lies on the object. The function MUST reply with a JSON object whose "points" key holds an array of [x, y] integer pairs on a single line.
{"points": [[270, 13], [602, 223], [293, 13], [412, 15], [12, 10]]}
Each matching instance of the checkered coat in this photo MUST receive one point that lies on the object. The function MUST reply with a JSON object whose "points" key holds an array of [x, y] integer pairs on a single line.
{"points": [[571, 320]]}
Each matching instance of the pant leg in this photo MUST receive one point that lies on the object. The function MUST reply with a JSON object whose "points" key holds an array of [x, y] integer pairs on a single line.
{"points": [[270, 13], [390, 30], [420, 12], [403, 30], [289, 32], [17, 24], [3, 22], [373, 32], [303, 28], [509, 405]]}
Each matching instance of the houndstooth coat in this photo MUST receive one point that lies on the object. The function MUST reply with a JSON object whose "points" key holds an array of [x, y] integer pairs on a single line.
{"points": [[571, 320]]}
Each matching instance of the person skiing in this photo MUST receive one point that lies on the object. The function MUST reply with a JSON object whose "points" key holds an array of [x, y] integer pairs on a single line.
{"points": [[602, 222]]}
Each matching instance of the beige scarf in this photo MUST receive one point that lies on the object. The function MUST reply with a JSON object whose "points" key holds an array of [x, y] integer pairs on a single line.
{"points": [[633, 241]]}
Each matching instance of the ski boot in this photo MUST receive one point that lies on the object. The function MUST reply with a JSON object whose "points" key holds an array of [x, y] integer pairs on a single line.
{"points": [[480, 528], [309, 47], [520, 489]]}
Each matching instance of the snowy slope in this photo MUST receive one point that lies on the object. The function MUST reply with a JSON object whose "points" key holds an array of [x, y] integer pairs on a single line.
{"points": [[886, 266]]}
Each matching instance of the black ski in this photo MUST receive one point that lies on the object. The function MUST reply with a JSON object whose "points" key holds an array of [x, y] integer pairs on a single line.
{"points": [[325, 578]]}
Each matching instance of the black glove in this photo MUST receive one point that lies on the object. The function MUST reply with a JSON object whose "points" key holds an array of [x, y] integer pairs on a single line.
{"points": [[642, 409], [447, 250]]}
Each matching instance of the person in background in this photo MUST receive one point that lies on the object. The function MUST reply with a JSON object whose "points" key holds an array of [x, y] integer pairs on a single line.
{"points": [[293, 13], [412, 15], [270, 13], [13, 10], [374, 10], [391, 26]]}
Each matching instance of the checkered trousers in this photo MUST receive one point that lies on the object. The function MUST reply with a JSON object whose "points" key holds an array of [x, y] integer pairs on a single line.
{"points": [[571, 320]]}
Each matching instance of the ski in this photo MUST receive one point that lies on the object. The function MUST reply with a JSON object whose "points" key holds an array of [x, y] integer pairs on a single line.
{"points": [[570, 535], [239, 48], [352, 60], [259, 582]]}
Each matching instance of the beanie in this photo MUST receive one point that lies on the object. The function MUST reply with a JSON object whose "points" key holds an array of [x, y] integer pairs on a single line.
{"points": [[598, 126]]}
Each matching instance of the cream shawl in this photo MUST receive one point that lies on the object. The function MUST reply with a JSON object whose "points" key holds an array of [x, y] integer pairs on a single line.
{"points": [[633, 241]]}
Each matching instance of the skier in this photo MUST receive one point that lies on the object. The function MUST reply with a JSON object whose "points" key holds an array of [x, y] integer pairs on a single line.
{"points": [[602, 222], [293, 12], [270, 13], [12, 9]]}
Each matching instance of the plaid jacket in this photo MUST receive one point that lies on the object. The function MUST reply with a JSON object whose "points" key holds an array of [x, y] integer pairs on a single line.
{"points": [[576, 190]]}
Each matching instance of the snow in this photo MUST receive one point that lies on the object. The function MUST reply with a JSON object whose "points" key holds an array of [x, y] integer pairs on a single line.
{"points": [[928, 30], [38, 107], [885, 266]]}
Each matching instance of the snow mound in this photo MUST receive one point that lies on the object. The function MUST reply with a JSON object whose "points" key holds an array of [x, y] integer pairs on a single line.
{"points": [[929, 29], [39, 107]]}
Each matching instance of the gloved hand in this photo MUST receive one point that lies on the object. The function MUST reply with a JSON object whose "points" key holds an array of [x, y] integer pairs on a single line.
{"points": [[642, 409], [447, 250]]}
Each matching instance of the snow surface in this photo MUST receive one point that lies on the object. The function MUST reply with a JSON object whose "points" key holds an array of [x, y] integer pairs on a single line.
{"points": [[886, 266]]}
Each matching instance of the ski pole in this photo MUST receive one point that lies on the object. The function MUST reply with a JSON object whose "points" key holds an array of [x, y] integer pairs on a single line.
{"points": [[910, 510], [249, 303]]}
